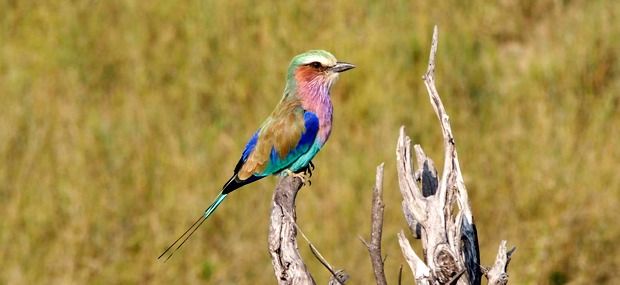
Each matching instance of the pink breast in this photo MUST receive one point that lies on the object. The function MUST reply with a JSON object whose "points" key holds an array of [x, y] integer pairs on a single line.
{"points": [[322, 106]]}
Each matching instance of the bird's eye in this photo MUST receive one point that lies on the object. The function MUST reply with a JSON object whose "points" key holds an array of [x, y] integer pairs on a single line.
{"points": [[315, 64]]}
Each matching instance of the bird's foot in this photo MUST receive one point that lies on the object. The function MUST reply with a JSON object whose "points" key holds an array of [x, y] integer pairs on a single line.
{"points": [[308, 170], [303, 176]]}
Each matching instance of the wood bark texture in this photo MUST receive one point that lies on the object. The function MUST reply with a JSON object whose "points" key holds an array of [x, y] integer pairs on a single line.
{"points": [[450, 241], [287, 263], [376, 229]]}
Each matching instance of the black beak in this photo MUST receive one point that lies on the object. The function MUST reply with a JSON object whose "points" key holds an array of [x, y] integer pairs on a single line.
{"points": [[342, 67]]}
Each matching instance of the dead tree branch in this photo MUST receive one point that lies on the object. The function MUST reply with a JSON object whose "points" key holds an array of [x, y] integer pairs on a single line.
{"points": [[421, 272], [376, 228], [497, 274], [287, 263], [449, 239], [338, 278]]}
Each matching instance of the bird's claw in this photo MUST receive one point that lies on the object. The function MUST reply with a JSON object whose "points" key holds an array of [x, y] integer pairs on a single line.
{"points": [[308, 169], [303, 176]]}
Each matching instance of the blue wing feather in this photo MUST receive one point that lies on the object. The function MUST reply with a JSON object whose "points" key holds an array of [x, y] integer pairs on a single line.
{"points": [[276, 164], [249, 147], [312, 128], [311, 123]]}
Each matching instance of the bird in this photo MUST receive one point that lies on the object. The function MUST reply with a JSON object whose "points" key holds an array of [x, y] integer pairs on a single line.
{"points": [[290, 137]]}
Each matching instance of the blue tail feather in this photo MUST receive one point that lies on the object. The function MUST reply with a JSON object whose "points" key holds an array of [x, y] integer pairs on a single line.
{"points": [[218, 200], [232, 184], [190, 231]]}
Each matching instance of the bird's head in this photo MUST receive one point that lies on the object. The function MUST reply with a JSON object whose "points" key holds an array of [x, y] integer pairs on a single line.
{"points": [[315, 71]]}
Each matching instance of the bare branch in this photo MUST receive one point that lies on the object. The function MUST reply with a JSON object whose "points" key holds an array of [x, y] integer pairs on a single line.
{"points": [[429, 82], [450, 240], [497, 274], [287, 263], [315, 251], [376, 229], [452, 182], [420, 271], [413, 202], [339, 277]]}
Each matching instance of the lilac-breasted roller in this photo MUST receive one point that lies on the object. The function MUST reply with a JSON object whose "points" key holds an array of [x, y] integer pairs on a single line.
{"points": [[292, 135]]}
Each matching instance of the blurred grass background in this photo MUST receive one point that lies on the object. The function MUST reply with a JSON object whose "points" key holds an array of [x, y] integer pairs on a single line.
{"points": [[121, 119]]}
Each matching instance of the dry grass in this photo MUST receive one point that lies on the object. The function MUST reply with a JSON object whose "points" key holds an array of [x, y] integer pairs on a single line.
{"points": [[121, 119]]}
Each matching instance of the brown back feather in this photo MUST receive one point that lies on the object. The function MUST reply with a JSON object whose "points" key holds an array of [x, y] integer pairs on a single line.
{"points": [[281, 131]]}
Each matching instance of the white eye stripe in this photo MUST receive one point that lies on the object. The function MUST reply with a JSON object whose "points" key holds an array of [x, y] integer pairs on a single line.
{"points": [[321, 59]]}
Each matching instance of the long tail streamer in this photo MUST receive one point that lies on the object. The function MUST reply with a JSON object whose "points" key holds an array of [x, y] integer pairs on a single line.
{"points": [[189, 232]]}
